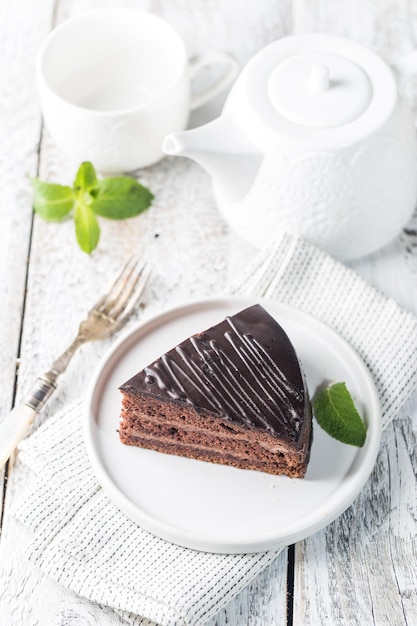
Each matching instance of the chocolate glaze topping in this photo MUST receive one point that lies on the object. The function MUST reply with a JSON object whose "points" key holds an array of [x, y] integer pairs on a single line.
{"points": [[244, 369]]}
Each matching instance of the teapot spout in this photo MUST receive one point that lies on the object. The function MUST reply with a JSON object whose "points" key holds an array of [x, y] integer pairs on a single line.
{"points": [[223, 150]]}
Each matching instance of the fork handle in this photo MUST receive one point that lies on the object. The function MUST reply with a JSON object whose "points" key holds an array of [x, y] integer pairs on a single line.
{"points": [[15, 426]]}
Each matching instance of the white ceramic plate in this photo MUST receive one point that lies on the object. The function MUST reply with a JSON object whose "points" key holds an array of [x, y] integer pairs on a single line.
{"points": [[212, 507]]}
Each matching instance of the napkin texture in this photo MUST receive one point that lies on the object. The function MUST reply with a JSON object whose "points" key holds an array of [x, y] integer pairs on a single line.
{"points": [[85, 543]]}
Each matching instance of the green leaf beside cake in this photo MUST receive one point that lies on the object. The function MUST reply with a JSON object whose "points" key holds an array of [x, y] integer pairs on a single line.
{"points": [[336, 413]]}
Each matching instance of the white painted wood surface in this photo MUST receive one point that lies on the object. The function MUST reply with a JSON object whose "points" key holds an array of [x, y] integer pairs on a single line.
{"points": [[362, 569]]}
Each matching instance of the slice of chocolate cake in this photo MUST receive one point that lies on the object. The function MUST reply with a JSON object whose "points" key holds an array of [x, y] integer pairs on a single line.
{"points": [[234, 394]]}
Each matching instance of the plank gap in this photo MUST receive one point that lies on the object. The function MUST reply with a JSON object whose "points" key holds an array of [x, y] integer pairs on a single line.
{"points": [[290, 585], [3, 495], [26, 284]]}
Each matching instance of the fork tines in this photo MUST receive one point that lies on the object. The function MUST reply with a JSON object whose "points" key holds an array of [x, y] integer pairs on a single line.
{"points": [[126, 289]]}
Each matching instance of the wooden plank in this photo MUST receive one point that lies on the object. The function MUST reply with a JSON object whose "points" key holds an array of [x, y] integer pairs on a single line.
{"points": [[362, 569], [19, 142]]}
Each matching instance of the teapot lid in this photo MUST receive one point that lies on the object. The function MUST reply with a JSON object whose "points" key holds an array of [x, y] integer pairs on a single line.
{"points": [[319, 87]]}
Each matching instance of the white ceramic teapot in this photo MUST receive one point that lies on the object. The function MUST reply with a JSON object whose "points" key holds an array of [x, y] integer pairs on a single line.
{"points": [[314, 140]]}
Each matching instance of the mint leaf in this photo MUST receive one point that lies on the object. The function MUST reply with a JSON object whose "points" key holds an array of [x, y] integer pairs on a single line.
{"points": [[86, 178], [116, 198], [337, 415], [87, 229], [51, 201], [121, 197]]}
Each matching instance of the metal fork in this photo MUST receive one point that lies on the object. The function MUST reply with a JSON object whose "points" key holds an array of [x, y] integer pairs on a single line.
{"points": [[106, 317]]}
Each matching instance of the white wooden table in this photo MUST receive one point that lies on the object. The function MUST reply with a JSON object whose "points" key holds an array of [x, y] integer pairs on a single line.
{"points": [[360, 570]]}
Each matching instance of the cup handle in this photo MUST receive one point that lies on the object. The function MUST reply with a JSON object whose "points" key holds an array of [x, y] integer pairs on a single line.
{"points": [[230, 72]]}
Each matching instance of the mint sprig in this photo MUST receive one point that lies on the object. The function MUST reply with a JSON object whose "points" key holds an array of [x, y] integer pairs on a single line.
{"points": [[115, 198], [336, 413]]}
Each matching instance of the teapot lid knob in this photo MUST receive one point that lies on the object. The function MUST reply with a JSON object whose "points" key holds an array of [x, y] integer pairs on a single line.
{"points": [[319, 77]]}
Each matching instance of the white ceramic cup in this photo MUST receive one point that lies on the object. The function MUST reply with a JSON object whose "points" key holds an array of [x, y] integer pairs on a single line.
{"points": [[114, 82]]}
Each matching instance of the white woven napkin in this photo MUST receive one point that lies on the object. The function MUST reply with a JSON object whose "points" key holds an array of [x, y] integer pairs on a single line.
{"points": [[82, 540]]}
